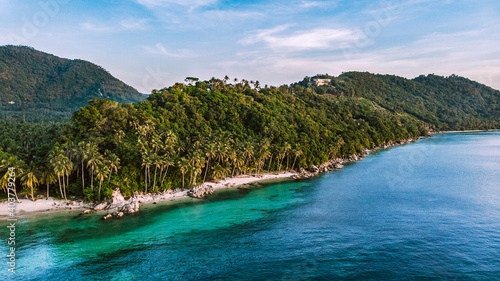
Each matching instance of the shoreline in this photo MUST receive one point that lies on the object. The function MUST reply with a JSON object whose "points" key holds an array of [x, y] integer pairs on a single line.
{"points": [[41, 206], [28, 207], [466, 131]]}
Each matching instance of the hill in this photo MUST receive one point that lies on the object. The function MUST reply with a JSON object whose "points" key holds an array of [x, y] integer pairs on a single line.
{"points": [[446, 103], [42, 86]]}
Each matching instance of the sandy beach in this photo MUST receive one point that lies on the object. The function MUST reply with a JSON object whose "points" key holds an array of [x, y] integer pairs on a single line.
{"points": [[27, 206]]}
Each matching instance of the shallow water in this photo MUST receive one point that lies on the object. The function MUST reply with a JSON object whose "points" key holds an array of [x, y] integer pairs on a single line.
{"points": [[423, 211]]}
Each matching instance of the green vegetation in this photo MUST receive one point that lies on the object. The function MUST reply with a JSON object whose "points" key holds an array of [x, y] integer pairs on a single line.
{"points": [[446, 103], [39, 87], [189, 133]]}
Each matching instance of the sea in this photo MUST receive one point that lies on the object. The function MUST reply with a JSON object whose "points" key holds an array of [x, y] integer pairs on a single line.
{"points": [[428, 210]]}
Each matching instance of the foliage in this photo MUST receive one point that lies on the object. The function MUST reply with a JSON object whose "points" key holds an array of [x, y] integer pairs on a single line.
{"points": [[43, 87], [189, 133]]}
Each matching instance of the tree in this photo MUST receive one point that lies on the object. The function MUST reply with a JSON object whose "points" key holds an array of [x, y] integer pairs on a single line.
{"points": [[82, 152], [94, 159], [48, 177], [297, 152], [114, 164], [184, 165], [6, 164], [29, 179], [102, 171], [210, 152]]}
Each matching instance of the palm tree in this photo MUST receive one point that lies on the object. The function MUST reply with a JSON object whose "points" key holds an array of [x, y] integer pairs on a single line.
{"points": [[297, 152], [48, 177], [6, 164], [146, 163], [94, 159], [101, 172], [157, 162], [30, 180], [56, 162], [67, 167], [83, 149], [210, 153], [218, 172], [183, 165], [167, 162], [114, 164]]}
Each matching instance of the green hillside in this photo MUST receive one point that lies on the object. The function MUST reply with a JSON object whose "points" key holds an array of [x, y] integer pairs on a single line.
{"points": [[446, 103], [37, 86]]}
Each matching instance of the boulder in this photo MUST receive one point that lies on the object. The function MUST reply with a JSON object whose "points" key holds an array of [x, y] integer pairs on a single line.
{"points": [[107, 216], [86, 212], [201, 191], [117, 198], [119, 214], [313, 169], [102, 206], [130, 208]]}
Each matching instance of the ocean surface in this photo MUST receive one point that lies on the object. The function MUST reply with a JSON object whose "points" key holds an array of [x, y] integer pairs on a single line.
{"points": [[429, 210]]}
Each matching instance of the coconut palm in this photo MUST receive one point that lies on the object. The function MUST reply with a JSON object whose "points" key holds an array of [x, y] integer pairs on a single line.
{"points": [[210, 152], [101, 172], [146, 163], [56, 163], [6, 164], [114, 164], [297, 152], [48, 177], [94, 158], [82, 150], [29, 179], [183, 165]]}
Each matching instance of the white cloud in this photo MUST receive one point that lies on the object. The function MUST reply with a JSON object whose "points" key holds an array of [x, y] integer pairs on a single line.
{"points": [[134, 24], [161, 50], [94, 27], [124, 25], [474, 54], [165, 3], [314, 4], [313, 39]]}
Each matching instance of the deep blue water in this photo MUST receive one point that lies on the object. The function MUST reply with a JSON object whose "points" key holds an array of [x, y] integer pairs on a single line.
{"points": [[429, 210]]}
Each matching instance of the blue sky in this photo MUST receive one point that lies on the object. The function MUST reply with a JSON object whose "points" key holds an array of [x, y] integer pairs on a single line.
{"points": [[151, 44]]}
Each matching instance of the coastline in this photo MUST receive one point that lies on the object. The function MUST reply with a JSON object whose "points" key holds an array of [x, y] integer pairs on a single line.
{"points": [[28, 207], [465, 131]]}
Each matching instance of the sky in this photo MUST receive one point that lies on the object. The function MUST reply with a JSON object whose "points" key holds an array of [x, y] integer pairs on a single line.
{"points": [[152, 44]]}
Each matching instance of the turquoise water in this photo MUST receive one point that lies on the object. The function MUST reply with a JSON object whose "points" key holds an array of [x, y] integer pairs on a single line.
{"points": [[429, 210]]}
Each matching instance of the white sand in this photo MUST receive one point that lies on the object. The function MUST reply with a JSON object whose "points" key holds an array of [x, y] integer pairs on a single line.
{"points": [[28, 206]]}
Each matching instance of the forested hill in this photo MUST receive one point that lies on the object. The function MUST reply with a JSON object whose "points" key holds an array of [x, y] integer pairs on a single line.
{"points": [[447, 103], [37, 86]]}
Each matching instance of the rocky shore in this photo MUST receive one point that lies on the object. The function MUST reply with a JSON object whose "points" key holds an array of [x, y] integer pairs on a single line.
{"points": [[338, 163], [118, 206]]}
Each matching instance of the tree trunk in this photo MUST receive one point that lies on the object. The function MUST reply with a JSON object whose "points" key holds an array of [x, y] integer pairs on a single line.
{"points": [[47, 191], [182, 180], [293, 165], [83, 178], [60, 188], [146, 179], [164, 176], [92, 179], [206, 169], [154, 179], [100, 184], [270, 162], [110, 172]]}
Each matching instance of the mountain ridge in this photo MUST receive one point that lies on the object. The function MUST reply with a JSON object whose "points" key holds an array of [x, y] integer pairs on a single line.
{"points": [[44, 86]]}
